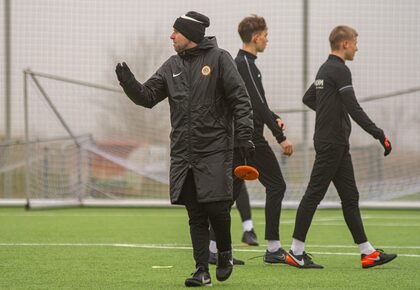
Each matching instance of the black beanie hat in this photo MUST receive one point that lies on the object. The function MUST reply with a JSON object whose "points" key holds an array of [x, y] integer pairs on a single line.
{"points": [[192, 25]]}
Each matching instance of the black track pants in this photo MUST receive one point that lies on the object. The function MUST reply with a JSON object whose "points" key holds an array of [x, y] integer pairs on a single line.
{"points": [[243, 205], [332, 163], [271, 177], [218, 213]]}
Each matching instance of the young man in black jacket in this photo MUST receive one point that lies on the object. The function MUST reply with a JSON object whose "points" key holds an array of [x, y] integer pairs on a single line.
{"points": [[253, 32], [206, 93], [332, 97]]}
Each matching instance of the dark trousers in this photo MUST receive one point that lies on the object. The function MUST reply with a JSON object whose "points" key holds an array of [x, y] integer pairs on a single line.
{"points": [[218, 213], [243, 205], [271, 178], [332, 163]]}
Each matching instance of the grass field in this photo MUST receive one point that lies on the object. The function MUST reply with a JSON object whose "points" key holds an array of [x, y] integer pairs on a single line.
{"points": [[116, 249]]}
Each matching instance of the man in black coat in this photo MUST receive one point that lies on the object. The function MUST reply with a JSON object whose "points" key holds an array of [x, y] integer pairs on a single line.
{"points": [[333, 99], [206, 93]]}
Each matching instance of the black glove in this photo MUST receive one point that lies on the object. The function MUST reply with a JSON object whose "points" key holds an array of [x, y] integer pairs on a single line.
{"points": [[387, 146], [247, 148], [123, 72]]}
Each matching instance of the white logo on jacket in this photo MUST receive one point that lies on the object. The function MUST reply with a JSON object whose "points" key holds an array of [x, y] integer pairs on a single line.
{"points": [[319, 84]]}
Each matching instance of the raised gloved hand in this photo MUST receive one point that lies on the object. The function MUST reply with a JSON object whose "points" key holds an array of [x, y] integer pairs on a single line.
{"points": [[247, 148], [123, 72], [387, 146]]}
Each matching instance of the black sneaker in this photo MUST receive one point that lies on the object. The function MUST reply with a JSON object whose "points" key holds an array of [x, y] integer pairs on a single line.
{"points": [[376, 258], [303, 261], [250, 238], [224, 265], [277, 257], [213, 260], [199, 278]]}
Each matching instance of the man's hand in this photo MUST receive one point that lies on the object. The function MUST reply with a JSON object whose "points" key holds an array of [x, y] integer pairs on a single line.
{"points": [[287, 147], [281, 124], [123, 72], [247, 148], [387, 146]]}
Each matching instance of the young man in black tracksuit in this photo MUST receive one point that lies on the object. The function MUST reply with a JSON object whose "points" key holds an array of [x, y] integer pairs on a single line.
{"points": [[253, 32], [208, 103], [332, 97]]}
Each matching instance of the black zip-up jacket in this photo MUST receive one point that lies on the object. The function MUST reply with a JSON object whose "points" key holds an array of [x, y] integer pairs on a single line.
{"points": [[251, 75], [332, 97], [206, 95]]}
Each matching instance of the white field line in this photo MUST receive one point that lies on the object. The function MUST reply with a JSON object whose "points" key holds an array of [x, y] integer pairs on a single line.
{"points": [[371, 224], [340, 222], [171, 247], [93, 215], [326, 219], [316, 222]]}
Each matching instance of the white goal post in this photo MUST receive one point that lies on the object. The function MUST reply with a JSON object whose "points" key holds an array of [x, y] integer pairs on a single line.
{"points": [[117, 154]]}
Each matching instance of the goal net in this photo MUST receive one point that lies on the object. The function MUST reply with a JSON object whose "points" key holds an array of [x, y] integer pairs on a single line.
{"points": [[114, 151], [117, 153]]}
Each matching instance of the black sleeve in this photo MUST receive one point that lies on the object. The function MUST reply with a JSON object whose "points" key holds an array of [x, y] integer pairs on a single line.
{"points": [[258, 104], [237, 97], [148, 94], [309, 98], [275, 116], [352, 106]]}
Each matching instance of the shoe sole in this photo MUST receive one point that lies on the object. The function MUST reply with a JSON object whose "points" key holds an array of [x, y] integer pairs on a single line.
{"points": [[300, 267], [274, 262], [239, 263], [196, 284], [248, 245], [378, 264]]}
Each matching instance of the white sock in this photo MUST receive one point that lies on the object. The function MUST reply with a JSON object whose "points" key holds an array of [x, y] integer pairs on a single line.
{"points": [[366, 248], [297, 247], [213, 247], [273, 245], [247, 225]]}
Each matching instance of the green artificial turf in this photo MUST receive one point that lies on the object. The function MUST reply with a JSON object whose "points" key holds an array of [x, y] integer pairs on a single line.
{"points": [[111, 248]]}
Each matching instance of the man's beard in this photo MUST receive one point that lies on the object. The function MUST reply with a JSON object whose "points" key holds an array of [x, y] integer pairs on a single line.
{"points": [[180, 48]]}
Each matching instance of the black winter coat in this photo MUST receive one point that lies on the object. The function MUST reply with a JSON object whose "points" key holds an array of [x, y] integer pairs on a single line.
{"points": [[207, 99]]}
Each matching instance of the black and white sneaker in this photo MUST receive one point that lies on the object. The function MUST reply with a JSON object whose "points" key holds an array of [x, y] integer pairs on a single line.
{"points": [[249, 238], [277, 257], [213, 260], [224, 265], [200, 277], [303, 261]]}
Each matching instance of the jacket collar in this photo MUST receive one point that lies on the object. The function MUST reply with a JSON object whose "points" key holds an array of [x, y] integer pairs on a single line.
{"points": [[242, 52], [206, 44], [335, 58]]}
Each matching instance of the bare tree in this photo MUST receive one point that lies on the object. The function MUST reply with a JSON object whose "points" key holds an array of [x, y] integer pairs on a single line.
{"points": [[121, 118]]}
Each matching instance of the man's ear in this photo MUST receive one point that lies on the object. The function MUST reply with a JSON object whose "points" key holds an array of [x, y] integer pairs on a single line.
{"points": [[345, 44], [254, 37]]}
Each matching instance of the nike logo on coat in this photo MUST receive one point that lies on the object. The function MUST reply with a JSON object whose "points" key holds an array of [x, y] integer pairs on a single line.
{"points": [[175, 75]]}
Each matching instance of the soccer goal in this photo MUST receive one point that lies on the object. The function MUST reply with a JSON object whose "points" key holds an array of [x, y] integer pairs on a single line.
{"points": [[116, 153]]}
